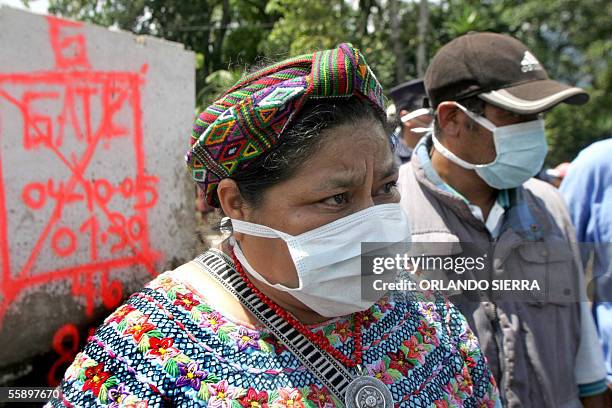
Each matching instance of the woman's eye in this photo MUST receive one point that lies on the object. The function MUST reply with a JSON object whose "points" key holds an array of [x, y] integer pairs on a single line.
{"points": [[337, 199], [390, 187]]}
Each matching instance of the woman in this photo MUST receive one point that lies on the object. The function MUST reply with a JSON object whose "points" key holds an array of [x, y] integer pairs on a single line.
{"points": [[296, 156]]}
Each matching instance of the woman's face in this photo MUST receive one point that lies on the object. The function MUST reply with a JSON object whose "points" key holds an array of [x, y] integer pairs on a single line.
{"points": [[352, 170]]}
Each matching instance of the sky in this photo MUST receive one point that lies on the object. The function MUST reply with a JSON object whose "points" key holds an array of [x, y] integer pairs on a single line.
{"points": [[36, 6]]}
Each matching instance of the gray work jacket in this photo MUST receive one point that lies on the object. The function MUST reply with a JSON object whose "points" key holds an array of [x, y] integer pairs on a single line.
{"points": [[530, 345]]}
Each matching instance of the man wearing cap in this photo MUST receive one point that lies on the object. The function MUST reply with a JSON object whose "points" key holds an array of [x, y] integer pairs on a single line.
{"points": [[470, 181], [414, 116]]}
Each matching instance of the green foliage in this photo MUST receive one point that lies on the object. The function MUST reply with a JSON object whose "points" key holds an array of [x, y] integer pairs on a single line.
{"points": [[572, 38], [307, 25], [215, 84]]}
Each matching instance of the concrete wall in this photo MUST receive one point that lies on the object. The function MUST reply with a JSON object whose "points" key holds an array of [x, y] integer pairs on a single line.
{"points": [[94, 196]]}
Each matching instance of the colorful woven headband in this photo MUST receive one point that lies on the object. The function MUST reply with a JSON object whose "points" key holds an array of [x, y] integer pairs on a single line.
{"points": [[250, 118]]}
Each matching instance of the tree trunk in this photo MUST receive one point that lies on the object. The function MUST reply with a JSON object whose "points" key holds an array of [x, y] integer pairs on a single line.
{"points": [[422, 49], [226, 18], [396, 41]]}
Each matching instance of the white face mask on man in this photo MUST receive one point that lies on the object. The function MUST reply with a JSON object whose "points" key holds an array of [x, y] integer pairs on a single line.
{"points": [[328, 258], [521, 149]]}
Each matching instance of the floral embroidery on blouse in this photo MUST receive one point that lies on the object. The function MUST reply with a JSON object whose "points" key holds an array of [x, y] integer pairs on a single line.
{"points": [[167, 344]]}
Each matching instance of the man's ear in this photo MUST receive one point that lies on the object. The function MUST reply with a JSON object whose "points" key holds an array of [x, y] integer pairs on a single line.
{"points": [[448, 118], [230, 199]]}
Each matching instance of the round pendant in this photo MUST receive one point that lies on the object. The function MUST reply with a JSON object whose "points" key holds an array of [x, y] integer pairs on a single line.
{"points": [[367, 392]]}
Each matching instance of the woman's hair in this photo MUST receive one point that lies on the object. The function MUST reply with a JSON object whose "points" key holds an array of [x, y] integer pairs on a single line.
{"points": [[301, 140]]}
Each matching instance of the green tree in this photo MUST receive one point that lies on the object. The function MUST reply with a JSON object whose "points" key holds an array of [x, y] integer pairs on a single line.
{"points": [[224, 33], [572, 38]]}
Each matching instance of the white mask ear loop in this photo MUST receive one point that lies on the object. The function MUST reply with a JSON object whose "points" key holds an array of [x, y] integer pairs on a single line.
{"points": [[245, 263], [482, 121], [420, 130], [450, 155], [415, 114], [257, 230]]}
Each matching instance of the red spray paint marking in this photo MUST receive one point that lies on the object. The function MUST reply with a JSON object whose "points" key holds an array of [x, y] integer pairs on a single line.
{"points": [[101, 110], [69, 45], [66, 343], [68, 333]]}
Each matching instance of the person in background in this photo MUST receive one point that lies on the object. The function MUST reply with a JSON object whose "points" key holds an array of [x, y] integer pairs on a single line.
{"points": [[555, 175], [470, 181], [587, 189], [413, 116]]}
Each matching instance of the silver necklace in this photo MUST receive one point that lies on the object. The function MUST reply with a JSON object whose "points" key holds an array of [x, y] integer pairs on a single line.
{"points": [[367, 392]]}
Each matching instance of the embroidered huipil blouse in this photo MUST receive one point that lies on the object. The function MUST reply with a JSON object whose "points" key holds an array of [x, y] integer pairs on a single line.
{"points": [[167, 347]]}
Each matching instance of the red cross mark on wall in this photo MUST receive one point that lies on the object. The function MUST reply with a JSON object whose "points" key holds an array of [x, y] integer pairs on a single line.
{"points": [[77, 162]]}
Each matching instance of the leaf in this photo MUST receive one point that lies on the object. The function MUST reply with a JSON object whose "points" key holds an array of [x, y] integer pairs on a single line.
{"points": [[195, 315], [171, 294], [334, 340], [89, 363], [203, 393], [223, 336], [265, 346], [171, 367], [329, 329], [155, 333], [212, 378], [415, 362], [309, 404], [204, 308], [102, 395], [239, 392], [236, 404], [81, 376], [143, 346], [111, 382], [273, 396], [395, 374], [121, 325], [182, 358], [229, 327], [387, 361]]}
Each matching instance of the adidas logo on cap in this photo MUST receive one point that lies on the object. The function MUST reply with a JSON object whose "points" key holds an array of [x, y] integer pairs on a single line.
{"points": [[529, 62]]}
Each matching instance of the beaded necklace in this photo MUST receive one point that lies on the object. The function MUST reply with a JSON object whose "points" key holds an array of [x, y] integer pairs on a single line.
{"points": [[320, 341]]}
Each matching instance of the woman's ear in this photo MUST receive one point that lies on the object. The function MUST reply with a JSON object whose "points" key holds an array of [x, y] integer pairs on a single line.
{"points": [[230, 199]]}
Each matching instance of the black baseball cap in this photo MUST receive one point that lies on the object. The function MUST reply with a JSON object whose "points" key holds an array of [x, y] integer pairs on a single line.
{"points": [[409, 95], [498, 69]]}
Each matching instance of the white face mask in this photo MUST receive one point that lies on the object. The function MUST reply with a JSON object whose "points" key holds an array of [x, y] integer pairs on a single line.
{"points": [[328, 258], [521, 150]]}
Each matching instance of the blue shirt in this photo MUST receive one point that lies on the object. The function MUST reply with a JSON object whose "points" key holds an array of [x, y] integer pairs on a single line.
{"points": [[588, 191]]}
